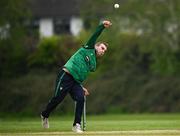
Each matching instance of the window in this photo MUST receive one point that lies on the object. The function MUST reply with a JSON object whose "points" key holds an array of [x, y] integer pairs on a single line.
{"points": [[61, 26]]}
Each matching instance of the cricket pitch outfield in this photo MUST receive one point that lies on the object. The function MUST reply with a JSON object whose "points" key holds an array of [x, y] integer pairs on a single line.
{"points": [[103, 133], [101, 125]]}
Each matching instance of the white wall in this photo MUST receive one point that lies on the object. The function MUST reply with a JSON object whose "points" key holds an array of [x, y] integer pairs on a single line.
{"points": [[4, 31], [76, 25], [46, 27]]}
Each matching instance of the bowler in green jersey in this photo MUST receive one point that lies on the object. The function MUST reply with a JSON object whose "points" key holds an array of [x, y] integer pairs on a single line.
{"points": [[72, 75]]}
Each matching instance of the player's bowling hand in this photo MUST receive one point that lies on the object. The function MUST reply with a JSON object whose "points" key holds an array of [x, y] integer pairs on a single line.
{"points": [[107, 23]]}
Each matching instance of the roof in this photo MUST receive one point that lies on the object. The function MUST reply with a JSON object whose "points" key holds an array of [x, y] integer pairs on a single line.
{"points": [[55, 8]]}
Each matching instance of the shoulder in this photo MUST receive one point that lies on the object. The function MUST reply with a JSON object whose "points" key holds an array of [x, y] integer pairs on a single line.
{"points": [[87, 49], [86, 46]]}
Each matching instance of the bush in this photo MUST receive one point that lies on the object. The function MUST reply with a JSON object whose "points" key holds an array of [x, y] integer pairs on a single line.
{"points": [[133, 92], [52, 51], [13, 57]]}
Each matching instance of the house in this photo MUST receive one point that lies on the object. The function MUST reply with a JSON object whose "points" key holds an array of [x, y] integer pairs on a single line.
{"points": [[56, 17]]}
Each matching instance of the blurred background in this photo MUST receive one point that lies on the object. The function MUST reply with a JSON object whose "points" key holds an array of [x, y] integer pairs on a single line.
{"points": [[139, 74]]}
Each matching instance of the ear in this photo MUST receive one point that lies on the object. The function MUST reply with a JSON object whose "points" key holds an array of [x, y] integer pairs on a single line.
{"points": [[95, 47]]}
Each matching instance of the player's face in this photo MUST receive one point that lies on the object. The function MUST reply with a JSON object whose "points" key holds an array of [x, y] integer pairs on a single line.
{"points": [[100, 49]]}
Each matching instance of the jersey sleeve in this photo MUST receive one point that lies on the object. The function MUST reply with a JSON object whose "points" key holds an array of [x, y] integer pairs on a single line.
{"points": [[91, 42]]}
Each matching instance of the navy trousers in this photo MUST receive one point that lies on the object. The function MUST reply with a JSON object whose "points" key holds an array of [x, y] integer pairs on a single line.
{"points": [[65, 84]]}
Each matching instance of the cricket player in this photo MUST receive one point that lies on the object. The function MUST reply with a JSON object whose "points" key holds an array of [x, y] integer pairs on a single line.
{"points": [[72, 75]]}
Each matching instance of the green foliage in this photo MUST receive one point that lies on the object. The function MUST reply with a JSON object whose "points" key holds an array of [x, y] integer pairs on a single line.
{"points": [[52, 51], [12, 11], [12, 58], [132, 91], [29, 94], [139, 73], [154, 22], [12, 17], [25, 93], [46, 52], [13, 53], [142, 58]]}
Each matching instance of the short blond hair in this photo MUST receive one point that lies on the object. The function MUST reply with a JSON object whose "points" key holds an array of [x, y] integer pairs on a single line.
{"points": [[98, 43]]}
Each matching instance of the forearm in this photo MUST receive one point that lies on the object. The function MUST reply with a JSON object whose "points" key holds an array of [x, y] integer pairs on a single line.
{"points": [[93, 38]]}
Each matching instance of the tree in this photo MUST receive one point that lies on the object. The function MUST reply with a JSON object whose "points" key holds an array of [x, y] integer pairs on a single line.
{"points": [[13, 15], [156, 21]]}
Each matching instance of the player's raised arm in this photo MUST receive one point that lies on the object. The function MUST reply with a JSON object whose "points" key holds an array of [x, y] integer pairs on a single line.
{"points": [[91, 42]]}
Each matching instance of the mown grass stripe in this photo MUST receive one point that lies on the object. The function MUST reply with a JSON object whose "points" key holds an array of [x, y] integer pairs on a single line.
{"points": [[110, 133]]}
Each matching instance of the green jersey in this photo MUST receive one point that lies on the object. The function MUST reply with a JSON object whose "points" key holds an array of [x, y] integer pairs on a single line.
{"points": [[84, 60]]}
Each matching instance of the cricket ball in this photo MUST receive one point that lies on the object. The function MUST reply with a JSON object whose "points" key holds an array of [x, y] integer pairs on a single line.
{"points": [[116, 5]]}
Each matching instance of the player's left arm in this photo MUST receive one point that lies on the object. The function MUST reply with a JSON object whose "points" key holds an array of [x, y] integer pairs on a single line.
{"points": [[91, 42]]}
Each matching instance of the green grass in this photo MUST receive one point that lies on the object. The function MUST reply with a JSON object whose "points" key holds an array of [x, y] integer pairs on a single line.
{"points": [[124, 125]]}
